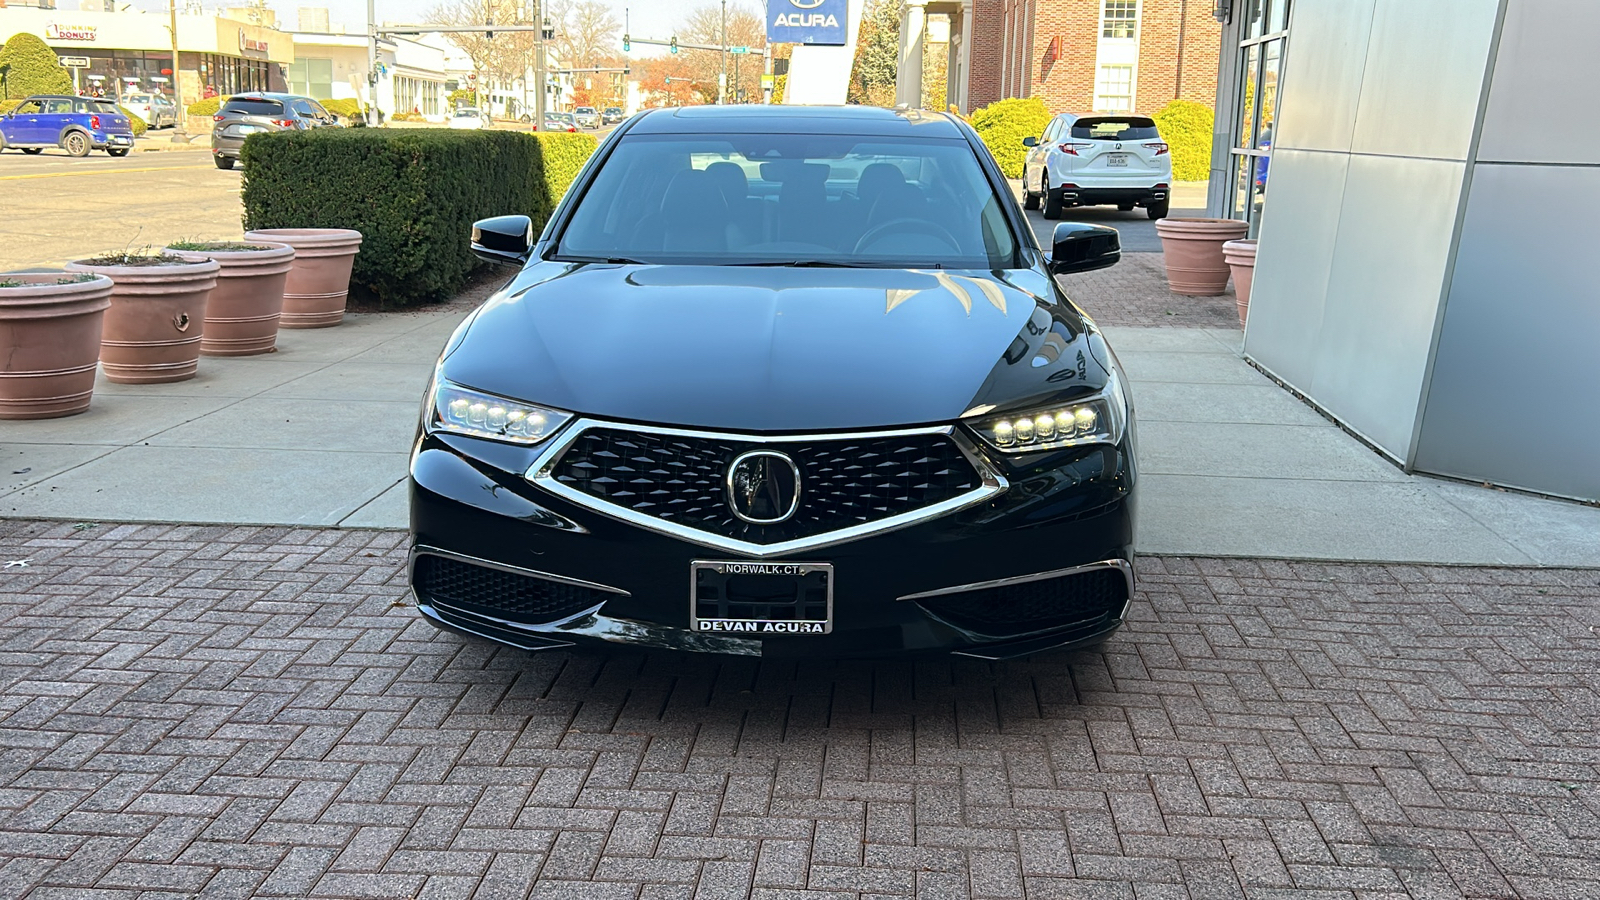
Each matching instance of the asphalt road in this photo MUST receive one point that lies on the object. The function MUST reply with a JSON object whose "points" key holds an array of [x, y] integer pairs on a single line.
{"points": [[54, 208]]}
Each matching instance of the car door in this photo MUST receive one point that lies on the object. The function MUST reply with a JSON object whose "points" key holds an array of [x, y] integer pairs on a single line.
{"points": [[1034, 161], [22, 127], [57, 115]]}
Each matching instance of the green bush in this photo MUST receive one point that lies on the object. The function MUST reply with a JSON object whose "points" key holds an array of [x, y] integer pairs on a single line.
{"points": [[8, 105], [564, 154], [462, 98], [1186, 127], [34, 67], [1004, 124], [413, 194], [346, 108], [207, 107], [140, 126]]}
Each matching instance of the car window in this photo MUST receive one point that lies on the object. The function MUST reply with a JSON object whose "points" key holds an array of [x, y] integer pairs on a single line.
{"points": [[57, 107], [850, 200], [1053, 130], [105, 106], [136, 98], [1126, 128], [304, 108], [253, 106]]}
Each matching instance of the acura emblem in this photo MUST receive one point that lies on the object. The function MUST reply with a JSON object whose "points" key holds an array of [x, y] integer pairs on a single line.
{"points": [[763, 487]]}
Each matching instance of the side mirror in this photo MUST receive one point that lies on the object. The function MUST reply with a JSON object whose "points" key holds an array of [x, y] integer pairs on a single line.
{"points": [[503, 240], [1030, 141], [1077, 247]]}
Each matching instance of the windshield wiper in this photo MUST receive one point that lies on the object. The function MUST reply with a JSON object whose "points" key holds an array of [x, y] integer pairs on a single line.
{"points": [[612, 260], [800, 264]]}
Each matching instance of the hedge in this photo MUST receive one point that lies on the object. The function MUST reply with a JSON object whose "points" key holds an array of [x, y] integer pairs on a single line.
{"points": [[412, 193], [140, 126], [34, 68], [1187, 127], [564, 154], [207, 107], [1003, 125], [346, 108]]}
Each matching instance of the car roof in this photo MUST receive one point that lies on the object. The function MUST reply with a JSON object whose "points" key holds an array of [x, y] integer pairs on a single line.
{"points": [[58, 97], [764, 119], [267, 95]]}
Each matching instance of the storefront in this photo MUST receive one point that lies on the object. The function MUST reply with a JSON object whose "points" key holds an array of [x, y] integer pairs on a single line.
{"points": [[131, 52], [1255, 41]]}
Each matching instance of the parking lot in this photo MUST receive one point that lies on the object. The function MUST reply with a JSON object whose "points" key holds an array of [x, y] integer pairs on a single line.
{"points": [[54, 208]]}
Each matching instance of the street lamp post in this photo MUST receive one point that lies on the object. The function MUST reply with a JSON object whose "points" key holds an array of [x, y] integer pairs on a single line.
{"points": [[181, 131], [722, 80]]}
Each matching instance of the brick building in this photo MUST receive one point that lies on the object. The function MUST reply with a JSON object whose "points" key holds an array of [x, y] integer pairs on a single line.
{"points": [[1093, 55]]}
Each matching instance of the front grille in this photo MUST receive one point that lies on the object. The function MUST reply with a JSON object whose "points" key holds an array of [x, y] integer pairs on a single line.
{"points": [[1085, 599], [680, 479], [499, 593]]}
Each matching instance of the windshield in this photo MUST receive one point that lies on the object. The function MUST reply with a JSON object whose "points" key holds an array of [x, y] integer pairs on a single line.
{"points": [[254, 106], [466, 112], [785, 199], [585, 109]]}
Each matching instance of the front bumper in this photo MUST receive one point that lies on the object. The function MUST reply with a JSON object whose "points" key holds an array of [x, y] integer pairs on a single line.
{"points": [[1064, 515]]}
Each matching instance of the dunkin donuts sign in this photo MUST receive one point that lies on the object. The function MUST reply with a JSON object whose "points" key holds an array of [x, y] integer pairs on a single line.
{"points": [[69, 32]]}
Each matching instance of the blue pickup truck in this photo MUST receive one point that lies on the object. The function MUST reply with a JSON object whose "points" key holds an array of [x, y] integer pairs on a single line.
{"points": [[75, 124]]}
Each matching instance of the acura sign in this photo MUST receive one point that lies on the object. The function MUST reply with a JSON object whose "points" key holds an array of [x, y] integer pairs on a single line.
{"points": [[806, 21]]}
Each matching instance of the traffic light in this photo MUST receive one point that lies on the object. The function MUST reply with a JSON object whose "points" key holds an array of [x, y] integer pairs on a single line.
{"points": [[489, 21], [624, 43], [674, 44]]}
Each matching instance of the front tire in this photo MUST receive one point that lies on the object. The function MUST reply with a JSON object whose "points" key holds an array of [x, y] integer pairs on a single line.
{"points": [[1158, 210], [117, 151], [223, 162], [1030, 200], [76, 144]]}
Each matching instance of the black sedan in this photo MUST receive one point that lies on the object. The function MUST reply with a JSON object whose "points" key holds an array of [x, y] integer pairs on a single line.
{"points": [[822, 396]]}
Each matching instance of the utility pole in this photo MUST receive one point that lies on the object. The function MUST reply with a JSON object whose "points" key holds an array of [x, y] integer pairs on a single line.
{"points": [[182, 131], [539, 65], [722, 79], [372, 64]]}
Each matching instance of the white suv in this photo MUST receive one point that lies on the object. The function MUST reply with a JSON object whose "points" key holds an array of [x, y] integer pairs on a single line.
{"points": [[1097, 159]]}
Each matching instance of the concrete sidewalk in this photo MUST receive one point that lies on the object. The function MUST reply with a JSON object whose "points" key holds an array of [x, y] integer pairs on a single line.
{"points": [[318, 434]]}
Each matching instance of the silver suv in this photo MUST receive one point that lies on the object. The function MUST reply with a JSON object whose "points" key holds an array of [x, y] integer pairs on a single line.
{"points": [[245, 114]]}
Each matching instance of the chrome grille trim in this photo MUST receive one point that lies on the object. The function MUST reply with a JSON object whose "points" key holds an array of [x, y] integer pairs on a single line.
{"points": [[1122, 565], [542, 474]]}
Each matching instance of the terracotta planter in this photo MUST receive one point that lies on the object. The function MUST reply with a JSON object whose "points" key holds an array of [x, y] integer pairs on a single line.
{"points": [[49, 342], [1241, 257], [319, 283], [1193, 252], [156, 320], [243, 309]]}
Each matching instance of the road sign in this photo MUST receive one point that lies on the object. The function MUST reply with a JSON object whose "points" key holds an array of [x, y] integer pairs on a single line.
{"points": [[738, 49], [75, 62]]}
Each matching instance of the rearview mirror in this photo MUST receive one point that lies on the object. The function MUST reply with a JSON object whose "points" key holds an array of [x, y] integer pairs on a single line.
{"points": [[1030, 141], [503, 240], [1079, 247]]}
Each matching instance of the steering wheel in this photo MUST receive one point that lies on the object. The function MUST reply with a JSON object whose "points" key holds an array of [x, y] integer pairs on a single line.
{"points": [[906, 226]]}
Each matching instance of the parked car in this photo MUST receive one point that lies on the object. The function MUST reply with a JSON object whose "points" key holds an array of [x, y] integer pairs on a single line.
{"points": [[611, 115], [586, 117], [156, 110], [246, 114], [780, 381], [75, 124], [468, 117], [1097, 160], [554, 122]]}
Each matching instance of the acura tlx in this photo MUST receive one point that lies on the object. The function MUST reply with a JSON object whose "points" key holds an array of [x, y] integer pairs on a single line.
{"points": [[780, 381]]}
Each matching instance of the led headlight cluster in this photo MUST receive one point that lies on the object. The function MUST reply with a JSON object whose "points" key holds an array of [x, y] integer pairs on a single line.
{"points": [[1098, 420], [485, 415]]}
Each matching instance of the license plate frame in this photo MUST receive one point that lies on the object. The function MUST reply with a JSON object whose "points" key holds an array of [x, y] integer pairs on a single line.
{"points": [[1117, 160], [718, 572]]}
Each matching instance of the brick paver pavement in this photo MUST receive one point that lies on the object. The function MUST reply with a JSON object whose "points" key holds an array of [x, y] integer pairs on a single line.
{"points": [[1135, 292], [232, 712]]}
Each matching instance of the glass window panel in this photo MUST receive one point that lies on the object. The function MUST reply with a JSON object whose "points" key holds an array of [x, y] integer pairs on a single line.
{"points": [[1258, 190], [1114, 89], [1247, 100], [1254, 12], [1240, 201], [1120, 19], [1278, 16], [1272, 52]]}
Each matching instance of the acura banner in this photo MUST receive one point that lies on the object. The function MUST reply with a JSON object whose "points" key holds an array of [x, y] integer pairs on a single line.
{"points": [[806, 21]]}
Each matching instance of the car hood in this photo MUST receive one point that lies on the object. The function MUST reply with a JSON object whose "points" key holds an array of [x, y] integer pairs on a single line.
{"points": [[774, 348]]}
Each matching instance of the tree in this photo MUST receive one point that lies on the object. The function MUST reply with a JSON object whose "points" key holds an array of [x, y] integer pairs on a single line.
{"points": [[703, 25], [502, 59], [34, 68], [877, 63], [587, 32], [653, 73]]}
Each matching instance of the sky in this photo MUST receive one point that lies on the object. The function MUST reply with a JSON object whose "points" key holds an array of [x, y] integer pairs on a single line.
{"points": [[646, 18]]}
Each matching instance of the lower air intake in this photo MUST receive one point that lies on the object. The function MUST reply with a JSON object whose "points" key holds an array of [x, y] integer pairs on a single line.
{"points": [[506, 595], [1085, 600]]}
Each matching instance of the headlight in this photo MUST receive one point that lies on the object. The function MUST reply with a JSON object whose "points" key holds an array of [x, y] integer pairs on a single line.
{"points": [[1097, 420], [487, 416]]}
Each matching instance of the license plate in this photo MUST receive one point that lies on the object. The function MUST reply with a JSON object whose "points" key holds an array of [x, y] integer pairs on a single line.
{"points": [[760, 599], [120, 139], [1116, 159], [248, 129]]}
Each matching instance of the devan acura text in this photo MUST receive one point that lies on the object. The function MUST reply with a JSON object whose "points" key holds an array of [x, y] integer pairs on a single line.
{"points": [[782, 381]]}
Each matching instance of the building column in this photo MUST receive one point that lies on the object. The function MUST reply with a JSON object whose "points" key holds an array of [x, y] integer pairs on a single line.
{"points": [[958, 70], [908, 78]]}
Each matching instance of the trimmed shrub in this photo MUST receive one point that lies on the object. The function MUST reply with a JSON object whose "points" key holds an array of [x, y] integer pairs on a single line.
{"points": [[8, 105], [564, 154], [413, 194], [1004, 124], [462, 98], [207, 107], [34, 67], [345, 108], [140, 126], [1186, 127]]}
